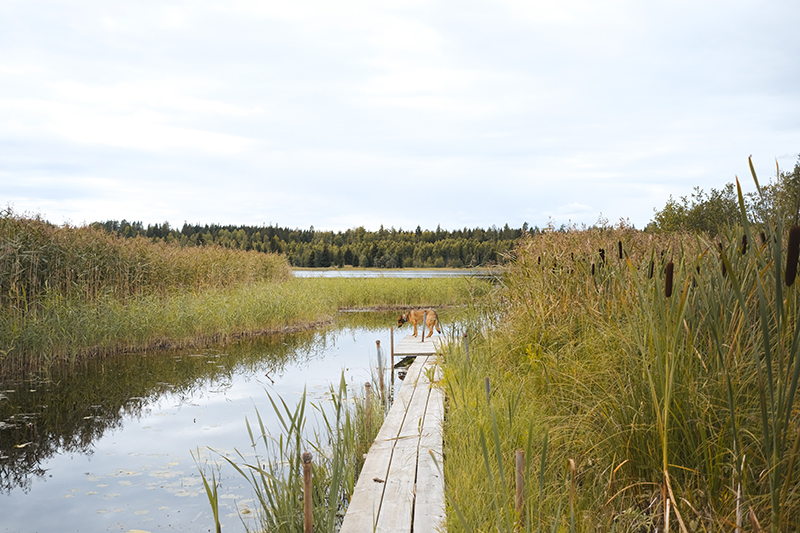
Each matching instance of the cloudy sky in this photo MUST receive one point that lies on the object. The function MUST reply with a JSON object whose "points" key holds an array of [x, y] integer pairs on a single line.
{"points": [[340, 113]]}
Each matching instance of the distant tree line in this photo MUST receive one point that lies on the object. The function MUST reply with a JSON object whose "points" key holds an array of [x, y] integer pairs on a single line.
{"points": [[385, 248], [710, 212]]}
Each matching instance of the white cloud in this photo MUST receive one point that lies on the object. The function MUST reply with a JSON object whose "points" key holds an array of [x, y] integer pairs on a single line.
{"points": [[331, 113]]}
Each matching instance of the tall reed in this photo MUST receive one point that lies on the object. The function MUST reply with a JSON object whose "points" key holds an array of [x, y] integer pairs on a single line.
{"points": [[667, 379]]}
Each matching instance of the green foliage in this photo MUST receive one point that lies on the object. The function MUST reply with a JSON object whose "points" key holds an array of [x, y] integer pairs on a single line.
{"points": [[355, 247], [710, 213], [779, 200], [704, 213]]}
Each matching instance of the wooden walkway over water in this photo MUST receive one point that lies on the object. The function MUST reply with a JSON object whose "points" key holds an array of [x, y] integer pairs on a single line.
{"points": [[400, 488]]}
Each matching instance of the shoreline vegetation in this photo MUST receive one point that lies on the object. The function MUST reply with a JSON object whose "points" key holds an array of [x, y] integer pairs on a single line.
{"points": [[73, 292], [649, 382]]}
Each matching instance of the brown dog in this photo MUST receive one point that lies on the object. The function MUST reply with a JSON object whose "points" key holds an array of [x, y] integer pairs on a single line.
{"points": [[415, 316]]}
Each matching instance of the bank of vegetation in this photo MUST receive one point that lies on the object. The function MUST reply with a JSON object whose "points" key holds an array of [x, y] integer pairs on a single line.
{"points": [[357, 247], [69, 292], [649, 380]]}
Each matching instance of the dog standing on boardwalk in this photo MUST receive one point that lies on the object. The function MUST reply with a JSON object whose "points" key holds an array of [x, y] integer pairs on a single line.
{"points": [[415, 316]]}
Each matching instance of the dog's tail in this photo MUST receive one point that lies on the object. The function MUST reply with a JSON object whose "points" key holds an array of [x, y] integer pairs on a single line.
{"points": [[436, 316]]}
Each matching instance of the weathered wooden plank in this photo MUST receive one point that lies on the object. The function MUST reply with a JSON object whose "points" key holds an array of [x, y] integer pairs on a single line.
{"points": [[409, 491], [429, 510], [411, 345], [397, 508]]}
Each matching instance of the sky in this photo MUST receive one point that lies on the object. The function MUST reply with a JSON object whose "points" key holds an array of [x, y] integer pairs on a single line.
{"points": [[338, 114]]}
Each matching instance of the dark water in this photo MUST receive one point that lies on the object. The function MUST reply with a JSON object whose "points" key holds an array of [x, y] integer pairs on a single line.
{"points": [[108, 446]]}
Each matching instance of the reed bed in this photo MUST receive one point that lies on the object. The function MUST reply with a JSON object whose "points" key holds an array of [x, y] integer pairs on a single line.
{"points": [[649, 381], [40, 261], [69, 293]]}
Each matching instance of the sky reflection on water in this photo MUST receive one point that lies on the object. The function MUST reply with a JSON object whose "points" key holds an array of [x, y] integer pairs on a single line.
{"points": [[108, 447]]}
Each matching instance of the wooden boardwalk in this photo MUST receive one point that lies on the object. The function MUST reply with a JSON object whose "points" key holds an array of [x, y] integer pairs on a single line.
{"points": [[400, 488]]}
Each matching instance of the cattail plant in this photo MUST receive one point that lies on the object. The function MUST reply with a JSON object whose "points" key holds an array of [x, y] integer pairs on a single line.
{"points": [[603, 255], [619, 246], [744, 244], [668, 279]]}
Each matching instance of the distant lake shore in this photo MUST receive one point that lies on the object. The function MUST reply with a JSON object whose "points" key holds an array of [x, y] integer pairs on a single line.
{"points": [[390, 272]]}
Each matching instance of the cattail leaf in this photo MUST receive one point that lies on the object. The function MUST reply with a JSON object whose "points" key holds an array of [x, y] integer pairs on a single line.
{"points": [[753, 172], [792, 253]]}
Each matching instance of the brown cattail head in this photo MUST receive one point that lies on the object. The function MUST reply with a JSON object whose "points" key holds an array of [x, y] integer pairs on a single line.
{"points": [[619, 246], [792, 254], [603, 255], [744, 244], [592, 269], [763, 238], [668, 281], [539, 260]]}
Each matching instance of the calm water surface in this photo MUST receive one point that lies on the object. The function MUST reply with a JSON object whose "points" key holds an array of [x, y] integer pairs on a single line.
{"points": [[390, 273], [108, 446]]}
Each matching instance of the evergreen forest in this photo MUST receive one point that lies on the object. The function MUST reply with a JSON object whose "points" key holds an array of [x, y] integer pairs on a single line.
{"points": [[357, 247]]}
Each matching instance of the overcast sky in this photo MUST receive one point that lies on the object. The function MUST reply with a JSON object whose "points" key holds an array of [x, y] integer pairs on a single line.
{"points": [[340, 113]]}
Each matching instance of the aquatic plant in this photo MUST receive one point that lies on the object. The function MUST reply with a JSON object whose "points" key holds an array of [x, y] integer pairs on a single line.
{"points": [[274, 468]]}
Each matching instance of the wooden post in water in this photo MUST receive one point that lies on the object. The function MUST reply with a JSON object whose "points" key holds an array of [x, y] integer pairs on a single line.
{"points": [[424, 323], [380, 371], [368, 394], [308, 498], [520, 478], [391, 343]]}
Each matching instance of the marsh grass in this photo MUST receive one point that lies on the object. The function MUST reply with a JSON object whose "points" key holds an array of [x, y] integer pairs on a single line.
{"points": [[68, 293], [676, 407]]}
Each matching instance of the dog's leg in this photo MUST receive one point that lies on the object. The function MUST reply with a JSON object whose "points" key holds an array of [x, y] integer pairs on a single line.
{"points": [[415, 329]]}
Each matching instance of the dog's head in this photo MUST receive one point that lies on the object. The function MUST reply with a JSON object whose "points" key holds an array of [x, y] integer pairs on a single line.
{"points": [[402, 320]]}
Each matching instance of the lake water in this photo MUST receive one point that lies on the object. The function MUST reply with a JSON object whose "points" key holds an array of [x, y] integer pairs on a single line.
{"points": [[108, 446], [391, 273]]}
